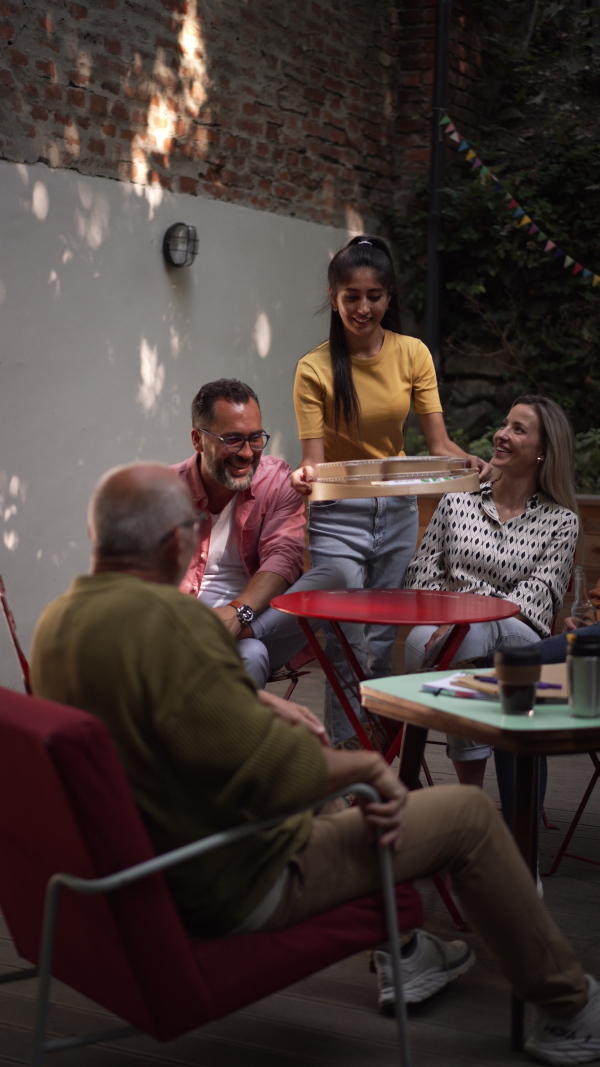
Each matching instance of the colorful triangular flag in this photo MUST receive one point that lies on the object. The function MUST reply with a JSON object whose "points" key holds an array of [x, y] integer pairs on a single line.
{"points": [[517, 211]]}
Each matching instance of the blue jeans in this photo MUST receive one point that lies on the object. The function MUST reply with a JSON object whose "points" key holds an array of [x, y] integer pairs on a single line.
{"points": [[554, 649], [277, 636], [373, 541]]}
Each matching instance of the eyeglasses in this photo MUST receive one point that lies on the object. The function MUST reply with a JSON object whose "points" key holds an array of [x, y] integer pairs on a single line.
{"points": [[234, 442], [195, 524]]}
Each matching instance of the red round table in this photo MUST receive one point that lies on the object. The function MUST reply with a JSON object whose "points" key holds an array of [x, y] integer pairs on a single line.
{"points": [[392, 607]]}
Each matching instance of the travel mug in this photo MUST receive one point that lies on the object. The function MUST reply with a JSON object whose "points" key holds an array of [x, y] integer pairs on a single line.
{"points": [[583, 675], [518, 672]]}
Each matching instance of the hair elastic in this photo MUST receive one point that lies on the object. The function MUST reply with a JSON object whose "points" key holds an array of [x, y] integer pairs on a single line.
{"points": [[365, 243]]}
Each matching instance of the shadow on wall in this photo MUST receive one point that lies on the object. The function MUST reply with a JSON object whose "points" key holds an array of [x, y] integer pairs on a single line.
{"points": [[104, 345]]}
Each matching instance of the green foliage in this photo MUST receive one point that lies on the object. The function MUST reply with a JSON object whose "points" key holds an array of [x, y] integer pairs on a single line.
{"points": [[505, 297], [587, 455], [587, 461]]}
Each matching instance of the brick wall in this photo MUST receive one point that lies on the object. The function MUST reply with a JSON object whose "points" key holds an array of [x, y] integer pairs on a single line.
{"points": [[315, 109], [415, 93]]}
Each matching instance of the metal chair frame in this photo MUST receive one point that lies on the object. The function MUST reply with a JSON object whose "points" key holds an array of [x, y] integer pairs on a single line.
{"points": [[562, 852], [12, 629], [129, 875]]}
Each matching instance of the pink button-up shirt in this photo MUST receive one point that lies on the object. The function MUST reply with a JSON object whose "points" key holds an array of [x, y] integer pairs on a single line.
{"points": [[268, 521]]}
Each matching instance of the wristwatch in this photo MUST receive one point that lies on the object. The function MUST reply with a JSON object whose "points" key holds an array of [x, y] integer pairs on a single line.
{"points": [[244, 612]]}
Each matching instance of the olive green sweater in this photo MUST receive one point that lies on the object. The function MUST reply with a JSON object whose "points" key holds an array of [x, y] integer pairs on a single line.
{"points": [[200, 751]]}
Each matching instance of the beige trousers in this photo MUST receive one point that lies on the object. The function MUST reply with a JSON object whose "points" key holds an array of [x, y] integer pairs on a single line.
{"points": [[455, 829]]}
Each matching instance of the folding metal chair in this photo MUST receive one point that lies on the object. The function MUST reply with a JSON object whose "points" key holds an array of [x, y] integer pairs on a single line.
{"points": [[12, 629], [292, 670], [575, 822]]}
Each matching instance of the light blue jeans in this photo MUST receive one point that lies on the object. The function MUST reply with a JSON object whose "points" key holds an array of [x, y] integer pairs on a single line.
{"points": [[482, 640], [373, 541], [277, 636]]}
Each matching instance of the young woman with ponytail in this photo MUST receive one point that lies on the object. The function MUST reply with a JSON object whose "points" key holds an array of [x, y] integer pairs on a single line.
{"points": [[352, 396]]}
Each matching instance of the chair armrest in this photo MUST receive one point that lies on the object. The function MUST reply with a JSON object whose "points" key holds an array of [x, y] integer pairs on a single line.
{"points": [[179, 855], [196, 848]]}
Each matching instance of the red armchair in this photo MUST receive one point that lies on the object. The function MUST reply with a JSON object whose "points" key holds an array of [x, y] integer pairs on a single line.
{"points": [[65, 806]]}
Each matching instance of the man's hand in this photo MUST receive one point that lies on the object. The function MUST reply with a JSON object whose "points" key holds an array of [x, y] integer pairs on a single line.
{"points": [[301, 479], [344, 768], [389, 815], [294, 714], [229, 618], [576, 624]]}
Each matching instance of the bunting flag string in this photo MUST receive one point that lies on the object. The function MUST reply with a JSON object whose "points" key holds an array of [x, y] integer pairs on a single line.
{"points": [[520, 215]]}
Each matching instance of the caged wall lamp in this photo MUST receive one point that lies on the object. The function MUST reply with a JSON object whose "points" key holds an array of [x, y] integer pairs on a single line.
{"points": [[180, 245]]}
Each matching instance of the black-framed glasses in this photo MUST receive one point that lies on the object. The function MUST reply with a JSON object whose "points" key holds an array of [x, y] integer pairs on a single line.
{"points": [[195, 524], [235, 441]]}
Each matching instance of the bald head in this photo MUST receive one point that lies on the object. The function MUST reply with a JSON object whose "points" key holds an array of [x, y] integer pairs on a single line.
{"points": [[133, 507]]}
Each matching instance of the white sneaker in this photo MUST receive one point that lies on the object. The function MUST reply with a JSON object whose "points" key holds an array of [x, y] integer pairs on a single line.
{"points": [[430, 967], [565, 1041]]}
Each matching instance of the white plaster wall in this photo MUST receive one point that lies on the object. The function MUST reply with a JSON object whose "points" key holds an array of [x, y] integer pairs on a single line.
{"points": [[102, 348]]}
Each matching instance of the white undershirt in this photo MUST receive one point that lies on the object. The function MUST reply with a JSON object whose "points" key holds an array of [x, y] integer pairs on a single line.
{"points": [[224, 577]]}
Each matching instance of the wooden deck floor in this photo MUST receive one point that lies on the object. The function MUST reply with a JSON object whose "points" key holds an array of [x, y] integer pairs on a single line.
{"points": [[331, 1019]]}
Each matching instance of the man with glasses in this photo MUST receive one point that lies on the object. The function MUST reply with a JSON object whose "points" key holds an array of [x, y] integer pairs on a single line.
{"points": [[251, 546]]}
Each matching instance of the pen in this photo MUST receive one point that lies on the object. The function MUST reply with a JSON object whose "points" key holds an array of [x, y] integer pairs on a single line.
{"points": [[449, 693], [494, 681]]}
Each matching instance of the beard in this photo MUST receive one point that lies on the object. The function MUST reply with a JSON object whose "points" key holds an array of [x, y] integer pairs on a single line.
{"points": [[218, 469]]}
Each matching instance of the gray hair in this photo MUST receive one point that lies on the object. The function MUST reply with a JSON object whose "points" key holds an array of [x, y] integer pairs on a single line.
{"points": [[134, 506]]}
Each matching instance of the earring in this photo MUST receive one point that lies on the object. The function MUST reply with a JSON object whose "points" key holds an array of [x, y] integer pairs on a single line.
{"points": [[540, 459]]}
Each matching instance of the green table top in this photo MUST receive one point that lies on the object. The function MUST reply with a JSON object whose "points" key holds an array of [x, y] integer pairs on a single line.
{"points": [[408, 687]]}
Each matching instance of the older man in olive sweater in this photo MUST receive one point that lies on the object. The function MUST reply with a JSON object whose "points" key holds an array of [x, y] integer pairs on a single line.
{"points": [[203, 750]]}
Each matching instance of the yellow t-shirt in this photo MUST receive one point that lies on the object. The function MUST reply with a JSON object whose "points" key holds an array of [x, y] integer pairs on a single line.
{"points": [[401, 371]]}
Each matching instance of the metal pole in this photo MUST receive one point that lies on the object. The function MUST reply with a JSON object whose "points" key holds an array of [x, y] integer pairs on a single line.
{"points": [[436, 182]]}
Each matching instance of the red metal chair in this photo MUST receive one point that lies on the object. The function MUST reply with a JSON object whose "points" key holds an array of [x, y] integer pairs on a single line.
{"points": [[292, 670], [66, 806], [575, 822], [12, 629]]}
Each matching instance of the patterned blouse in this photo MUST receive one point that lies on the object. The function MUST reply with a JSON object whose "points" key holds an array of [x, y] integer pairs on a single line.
{"points": [[528, 559]]}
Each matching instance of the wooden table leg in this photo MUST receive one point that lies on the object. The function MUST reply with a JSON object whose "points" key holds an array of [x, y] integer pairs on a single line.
{"points": [[414, 739], [526, 836]]}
